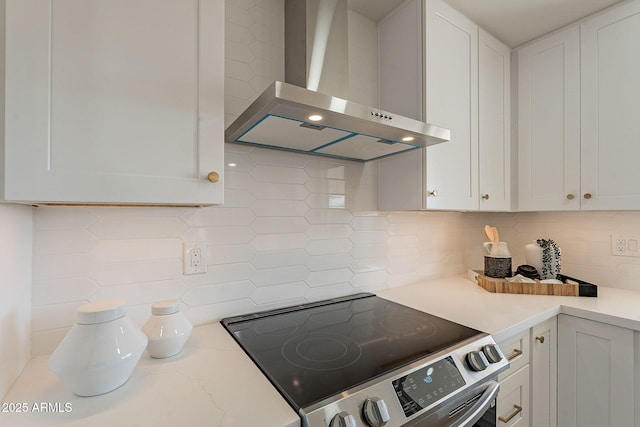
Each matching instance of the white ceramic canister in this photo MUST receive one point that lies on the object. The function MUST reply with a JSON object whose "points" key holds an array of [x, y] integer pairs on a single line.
{"points": [[167, 329], [533, 256], [100, 351]]}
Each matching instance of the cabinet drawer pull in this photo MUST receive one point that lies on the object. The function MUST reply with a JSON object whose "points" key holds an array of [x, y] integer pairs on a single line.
{"points": [[485, 196], [540, 339], [433, 193], [570, 196], [517, 408], [587, 196], [515, 354]]}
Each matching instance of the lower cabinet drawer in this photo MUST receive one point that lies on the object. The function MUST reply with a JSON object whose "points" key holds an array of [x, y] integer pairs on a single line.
{"points": [[517, 350], [513, 399]]}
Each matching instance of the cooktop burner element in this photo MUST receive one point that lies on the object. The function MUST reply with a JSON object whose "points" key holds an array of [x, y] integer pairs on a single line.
{"points": [[321, 352]]}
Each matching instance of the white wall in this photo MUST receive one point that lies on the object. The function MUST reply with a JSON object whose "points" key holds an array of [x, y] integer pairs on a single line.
{"points": [[15, 291]]}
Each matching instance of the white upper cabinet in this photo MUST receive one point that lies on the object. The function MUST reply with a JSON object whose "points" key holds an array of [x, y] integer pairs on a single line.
{"points": [[494, 128], [578, 127], [549, 123], [114, 101], [451, 99], [456, 91], [610, 58]]}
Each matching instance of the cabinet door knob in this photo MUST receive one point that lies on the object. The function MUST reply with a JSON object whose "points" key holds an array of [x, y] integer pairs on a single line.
{"points": [[433, 193], [570, 196], [540, 339], [587, 196], [213, 176], [485, 196]]}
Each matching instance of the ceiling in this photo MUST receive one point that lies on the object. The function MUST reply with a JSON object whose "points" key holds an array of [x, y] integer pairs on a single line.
{"points": [[513, 21]]}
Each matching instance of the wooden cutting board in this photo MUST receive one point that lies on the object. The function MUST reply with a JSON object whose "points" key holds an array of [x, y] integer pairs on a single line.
{"points": [[503, 286]]}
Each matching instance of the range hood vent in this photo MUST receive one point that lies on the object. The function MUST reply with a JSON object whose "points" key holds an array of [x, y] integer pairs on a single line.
{"points": [[298, 114]]}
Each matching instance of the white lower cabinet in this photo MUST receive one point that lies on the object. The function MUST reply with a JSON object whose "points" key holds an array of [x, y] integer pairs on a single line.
{"points": [[528, 388], [513, 407], [570, 372], [595, 374], [513, 401], [544, 373]]}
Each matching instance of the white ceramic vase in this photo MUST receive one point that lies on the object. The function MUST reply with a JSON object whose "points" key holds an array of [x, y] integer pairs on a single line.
{"points": [[100, 351], [533, 256], [167, 329]]}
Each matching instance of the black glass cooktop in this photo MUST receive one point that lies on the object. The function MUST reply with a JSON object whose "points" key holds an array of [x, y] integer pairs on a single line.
{"points": [[314, 351]]}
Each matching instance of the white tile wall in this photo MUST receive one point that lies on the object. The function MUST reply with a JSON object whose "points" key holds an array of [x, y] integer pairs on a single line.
{"points": [[265, 247]]}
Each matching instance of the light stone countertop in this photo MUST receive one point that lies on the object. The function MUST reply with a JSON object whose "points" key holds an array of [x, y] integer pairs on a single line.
{"points": [[460, 300], [213, 383]]}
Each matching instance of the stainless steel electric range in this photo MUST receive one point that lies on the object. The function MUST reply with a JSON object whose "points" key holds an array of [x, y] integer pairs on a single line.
{"points": [[363, 360]]}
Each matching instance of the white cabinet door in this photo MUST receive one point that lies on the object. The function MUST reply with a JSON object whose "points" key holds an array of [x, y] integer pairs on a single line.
{"points": [[544, 373], [595, 374], [610, 57], [549, 123], [494, 141], [114, 101], [451, 43]]}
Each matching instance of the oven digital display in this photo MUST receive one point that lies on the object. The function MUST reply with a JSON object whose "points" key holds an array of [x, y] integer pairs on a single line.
{"points": [[421, 388]]}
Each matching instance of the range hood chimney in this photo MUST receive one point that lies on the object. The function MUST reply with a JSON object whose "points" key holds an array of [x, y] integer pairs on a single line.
{"points": [[309, 112]]}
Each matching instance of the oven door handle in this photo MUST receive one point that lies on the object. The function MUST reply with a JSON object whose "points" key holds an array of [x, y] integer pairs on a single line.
{"points": [[480, 407]]}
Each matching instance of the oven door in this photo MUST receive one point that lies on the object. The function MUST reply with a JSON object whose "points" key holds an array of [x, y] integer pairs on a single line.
{"points": [[474, 409]]}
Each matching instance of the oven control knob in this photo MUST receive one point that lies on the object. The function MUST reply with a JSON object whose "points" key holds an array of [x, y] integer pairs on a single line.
{"points": [[477, 361], [375, 412], [343, 419], [492, 353]]}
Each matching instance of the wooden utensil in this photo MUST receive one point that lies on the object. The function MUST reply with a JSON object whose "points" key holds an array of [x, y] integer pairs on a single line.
{"points": [[492, 233]]}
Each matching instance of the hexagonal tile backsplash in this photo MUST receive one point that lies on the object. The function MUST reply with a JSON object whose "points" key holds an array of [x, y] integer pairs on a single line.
{"points": [[293, 228]]}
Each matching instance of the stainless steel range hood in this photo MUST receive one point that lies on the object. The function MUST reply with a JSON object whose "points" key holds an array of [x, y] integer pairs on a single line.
{"points": [[300, 115]]}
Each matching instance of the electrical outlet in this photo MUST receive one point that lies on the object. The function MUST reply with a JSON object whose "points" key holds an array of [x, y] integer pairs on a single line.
{"points": [[625, 245], [194, 258]]}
